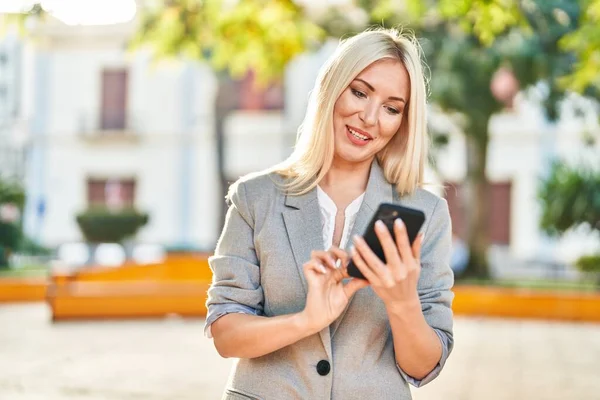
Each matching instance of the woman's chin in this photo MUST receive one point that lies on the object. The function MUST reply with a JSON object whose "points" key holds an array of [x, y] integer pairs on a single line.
{"points": [[354, 157]]}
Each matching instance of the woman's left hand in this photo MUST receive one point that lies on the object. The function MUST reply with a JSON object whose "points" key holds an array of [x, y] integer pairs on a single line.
{"points": [[394, 281]]}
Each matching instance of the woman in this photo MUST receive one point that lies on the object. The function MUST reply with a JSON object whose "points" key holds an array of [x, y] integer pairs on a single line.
{"points": [[283, 305]]}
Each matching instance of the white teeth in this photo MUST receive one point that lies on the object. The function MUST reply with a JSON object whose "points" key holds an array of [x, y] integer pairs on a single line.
{"points": [[357, 135]]}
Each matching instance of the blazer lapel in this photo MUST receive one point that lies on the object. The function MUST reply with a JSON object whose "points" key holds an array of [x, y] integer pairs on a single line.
{"points": [[379, 190], [302, 219]]}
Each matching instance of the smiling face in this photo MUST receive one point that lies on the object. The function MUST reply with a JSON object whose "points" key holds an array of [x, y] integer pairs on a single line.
{"points": [[369, 111]]}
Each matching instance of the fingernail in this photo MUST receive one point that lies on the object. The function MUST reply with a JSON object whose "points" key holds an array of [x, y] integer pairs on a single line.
{"points": [[399, 223], [338, 263], [322, 268], [379, 224]]}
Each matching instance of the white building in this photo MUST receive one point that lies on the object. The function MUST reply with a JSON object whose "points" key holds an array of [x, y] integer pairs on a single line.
{"points": [[102, 120], [106, 124], [12, 156]]}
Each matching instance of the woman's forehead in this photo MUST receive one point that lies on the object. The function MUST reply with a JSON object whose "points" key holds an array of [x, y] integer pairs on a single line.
{"points": [[387, 74]]}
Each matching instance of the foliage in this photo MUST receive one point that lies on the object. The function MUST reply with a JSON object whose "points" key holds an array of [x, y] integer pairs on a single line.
{"points": [[10, 231], [12, 192], [584, 43], [570, 196], [489, 20], [9, 20], [232, 36], [10, 235], [589, 263], [101, 225]]}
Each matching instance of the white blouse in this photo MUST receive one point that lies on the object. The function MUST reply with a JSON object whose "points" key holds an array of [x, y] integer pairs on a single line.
{"points": [[328, 212]]}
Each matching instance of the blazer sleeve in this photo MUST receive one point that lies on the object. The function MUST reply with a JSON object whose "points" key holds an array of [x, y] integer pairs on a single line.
{"points": [[235, 283], [435, 284]]}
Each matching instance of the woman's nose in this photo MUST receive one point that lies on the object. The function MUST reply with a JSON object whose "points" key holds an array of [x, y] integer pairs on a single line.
{"points": [[369, 115]]}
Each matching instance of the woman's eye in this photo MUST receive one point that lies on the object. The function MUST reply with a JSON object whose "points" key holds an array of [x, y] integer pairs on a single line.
{"points": [[358, 93], [392, 110]]}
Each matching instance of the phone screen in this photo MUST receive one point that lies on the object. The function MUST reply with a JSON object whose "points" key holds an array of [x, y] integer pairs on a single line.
{"points": [[413, 220]]}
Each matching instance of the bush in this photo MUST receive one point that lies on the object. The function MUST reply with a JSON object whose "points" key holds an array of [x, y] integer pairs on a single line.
{"points": [[589, 263], [102, 225], [11, 195], [570, 197]]}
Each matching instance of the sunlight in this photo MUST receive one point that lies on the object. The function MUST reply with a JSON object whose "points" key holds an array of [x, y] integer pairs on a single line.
{"points": [[91, 12], [15, 6], [77, 12]]}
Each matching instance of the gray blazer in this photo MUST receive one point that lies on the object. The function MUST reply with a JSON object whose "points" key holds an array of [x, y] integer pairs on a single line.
{"points": [[257, 267]]}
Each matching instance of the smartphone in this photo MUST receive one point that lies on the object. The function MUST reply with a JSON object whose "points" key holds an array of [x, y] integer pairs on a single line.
{"points": [[413, 220]]}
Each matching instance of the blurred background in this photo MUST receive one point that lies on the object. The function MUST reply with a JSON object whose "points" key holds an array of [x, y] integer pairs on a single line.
{"points": [[123, 122]]}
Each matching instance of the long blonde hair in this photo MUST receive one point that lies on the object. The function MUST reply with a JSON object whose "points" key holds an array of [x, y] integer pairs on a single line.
{"points": [[404, 157]]}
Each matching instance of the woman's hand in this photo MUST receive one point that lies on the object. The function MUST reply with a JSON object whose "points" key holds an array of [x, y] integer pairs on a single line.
{"points": [[394, 281], [327, 295]]}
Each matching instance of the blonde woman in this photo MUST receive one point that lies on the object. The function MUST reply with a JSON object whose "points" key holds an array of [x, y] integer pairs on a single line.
{"points": [[281, 300]]}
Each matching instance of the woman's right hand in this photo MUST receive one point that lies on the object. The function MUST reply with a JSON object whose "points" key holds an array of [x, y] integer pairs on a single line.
{"points": [[327, 295]]}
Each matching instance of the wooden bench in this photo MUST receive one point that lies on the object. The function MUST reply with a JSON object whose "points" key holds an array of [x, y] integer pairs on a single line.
{"points": [[176, 286]]}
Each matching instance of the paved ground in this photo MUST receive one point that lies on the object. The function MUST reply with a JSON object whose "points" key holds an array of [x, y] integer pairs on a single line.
{"points": [[171, 360]]}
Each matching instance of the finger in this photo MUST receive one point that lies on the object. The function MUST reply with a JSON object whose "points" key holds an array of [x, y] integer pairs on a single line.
{"points": [[341, 258], [362, 266], [384, 276], [402, 241], [353, 286], [314, 266], [370, 258], [416, 247], [324, 256], [388, 245], [340, 255]]}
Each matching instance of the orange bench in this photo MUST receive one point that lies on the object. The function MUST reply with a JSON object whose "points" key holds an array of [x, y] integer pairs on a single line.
{"points": [[22, 289], [179, 286], [176, 286], [526, 303]]}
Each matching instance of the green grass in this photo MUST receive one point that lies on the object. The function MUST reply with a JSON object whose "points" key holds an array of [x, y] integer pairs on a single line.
{"points": [[586, 285], [27, 271]]}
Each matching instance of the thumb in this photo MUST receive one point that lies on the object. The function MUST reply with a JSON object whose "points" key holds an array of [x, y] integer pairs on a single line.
{"points": [[354, 285]]}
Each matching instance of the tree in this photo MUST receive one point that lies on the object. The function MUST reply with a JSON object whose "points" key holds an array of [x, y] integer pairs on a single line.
{"points": [[464, 63], [490, 19], [234, 38], [584, 43]]}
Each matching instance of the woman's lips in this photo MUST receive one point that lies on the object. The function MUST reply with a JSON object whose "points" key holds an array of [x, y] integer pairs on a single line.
{"points": [[358, 138]]}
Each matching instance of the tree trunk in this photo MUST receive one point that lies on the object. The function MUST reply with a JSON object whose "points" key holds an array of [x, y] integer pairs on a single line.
{"points": [[477, 207]]}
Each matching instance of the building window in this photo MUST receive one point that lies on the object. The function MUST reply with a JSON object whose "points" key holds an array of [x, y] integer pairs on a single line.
{"points": [[113, 115], [254, 97], [111, 193]]}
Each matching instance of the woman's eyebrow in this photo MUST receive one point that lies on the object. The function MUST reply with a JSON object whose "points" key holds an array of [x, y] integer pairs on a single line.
{"points": [[373, 90]]}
